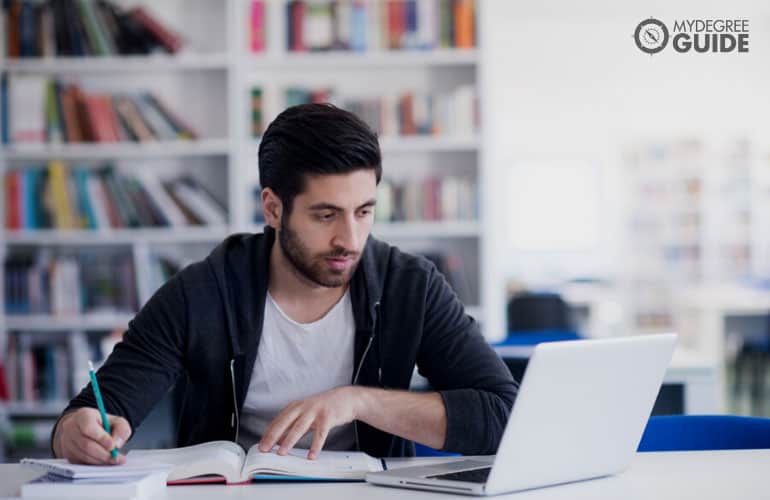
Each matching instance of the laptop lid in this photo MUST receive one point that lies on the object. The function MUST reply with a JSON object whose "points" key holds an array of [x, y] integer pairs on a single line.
{"points": [[581, 410]]}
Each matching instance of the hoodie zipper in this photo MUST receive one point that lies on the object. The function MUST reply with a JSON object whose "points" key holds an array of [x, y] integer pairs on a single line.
{"points": [[361, 363], [234, 418]]}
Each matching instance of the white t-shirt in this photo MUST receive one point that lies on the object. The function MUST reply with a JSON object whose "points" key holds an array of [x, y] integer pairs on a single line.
{"points": [[295, 361]]}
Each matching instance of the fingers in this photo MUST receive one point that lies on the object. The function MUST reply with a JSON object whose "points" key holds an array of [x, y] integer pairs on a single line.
{"points": [[300, 428], [319, 439], [91, 428], [82, 438], [86, 451], [121, 430], [278, 428]]}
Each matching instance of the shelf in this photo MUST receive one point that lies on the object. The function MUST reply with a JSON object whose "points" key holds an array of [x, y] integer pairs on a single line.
{"points": [[144, 64], [443, 229], [364, 60], [428, 144], [159, 149], [50, 409], [418, 144], [116, 236], [47, 323]]}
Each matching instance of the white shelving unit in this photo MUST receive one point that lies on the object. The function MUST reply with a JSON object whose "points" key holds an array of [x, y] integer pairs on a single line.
{"points": [[210, 81]]}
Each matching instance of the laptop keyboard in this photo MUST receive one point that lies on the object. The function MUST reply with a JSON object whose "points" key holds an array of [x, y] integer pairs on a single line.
{"points": [[469, 476]]}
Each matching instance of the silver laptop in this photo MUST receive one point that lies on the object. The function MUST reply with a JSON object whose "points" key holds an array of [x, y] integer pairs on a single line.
{"points": [[580, 413]]}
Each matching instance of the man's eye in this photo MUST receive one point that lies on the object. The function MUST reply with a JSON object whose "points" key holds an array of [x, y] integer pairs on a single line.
{"points": [[364, 213], [328, 216]]}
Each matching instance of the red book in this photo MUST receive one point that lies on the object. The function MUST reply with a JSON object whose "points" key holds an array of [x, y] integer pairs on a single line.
{"points": [[170, 41], [111, 121], [83, 117], [297, 21], [257, 25], [93, 111], [396, 23], [13, 200], [4, 393], [406, 112], [12, 24]]}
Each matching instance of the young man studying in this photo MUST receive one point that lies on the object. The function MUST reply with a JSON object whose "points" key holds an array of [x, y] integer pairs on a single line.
{"points": [[306, 335]]}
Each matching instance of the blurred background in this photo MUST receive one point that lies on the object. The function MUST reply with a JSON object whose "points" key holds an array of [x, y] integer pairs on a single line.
{"points": [[568, 184]]}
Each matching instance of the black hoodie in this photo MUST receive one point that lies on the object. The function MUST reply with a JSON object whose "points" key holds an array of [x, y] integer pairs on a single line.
{"points": [[203, 327]]}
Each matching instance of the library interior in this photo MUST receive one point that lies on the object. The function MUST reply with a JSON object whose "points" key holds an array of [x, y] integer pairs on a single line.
{"points": [[574, 171]]}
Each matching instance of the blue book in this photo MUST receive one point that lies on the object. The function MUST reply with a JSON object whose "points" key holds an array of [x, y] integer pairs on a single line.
{"points": [[27, 30], [358, 27], [85, 207], [33, 201], [410, 23]]}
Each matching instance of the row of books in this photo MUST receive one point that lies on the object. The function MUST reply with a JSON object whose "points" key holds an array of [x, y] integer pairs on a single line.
{"points": [[363, 25], [39, 368], [429, 199], [394, 114], [61, 197], [50, 110], [83, 28], [447, 198], [88, 281], [36, 372]]}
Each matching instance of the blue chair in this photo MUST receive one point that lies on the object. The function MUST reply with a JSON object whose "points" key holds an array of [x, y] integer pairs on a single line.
{"points": [[421, 450], [705, 432]]}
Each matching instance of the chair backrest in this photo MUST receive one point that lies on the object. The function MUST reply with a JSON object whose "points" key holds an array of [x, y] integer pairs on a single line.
{"points": [[420, 450], [537, 311], [705, 432]]}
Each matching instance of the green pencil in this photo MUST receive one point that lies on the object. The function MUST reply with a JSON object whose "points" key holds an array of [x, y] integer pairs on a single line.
{"points": [[100, 404]]}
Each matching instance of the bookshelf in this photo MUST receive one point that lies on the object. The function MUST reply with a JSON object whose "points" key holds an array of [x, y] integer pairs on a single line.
{"points": [[696, 210], [209, 81]]}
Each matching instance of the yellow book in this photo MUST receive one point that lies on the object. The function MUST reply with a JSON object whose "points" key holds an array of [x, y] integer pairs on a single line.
{"points": [[63, 215]]}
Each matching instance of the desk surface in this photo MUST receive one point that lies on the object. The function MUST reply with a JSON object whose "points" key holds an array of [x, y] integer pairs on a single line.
{"points": [[659, 476]]}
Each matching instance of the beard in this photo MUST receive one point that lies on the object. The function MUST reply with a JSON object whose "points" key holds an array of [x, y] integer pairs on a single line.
{"points": [[315, 268]]}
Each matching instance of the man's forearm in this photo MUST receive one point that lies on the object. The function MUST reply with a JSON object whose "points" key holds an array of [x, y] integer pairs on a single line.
{"points": [[419, 417]]}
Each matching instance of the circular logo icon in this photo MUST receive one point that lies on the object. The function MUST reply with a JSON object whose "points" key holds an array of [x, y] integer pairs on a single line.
{"points": [[651, 36]]}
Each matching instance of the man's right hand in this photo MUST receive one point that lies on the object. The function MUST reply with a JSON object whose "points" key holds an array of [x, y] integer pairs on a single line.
{"points": [[80, 437]]}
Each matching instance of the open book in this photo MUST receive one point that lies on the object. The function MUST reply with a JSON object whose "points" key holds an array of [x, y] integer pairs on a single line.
{"points": [[224, 460]]}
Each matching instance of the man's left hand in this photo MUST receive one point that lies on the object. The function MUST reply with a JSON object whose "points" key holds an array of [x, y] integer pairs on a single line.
{"points": [[319, 414]]}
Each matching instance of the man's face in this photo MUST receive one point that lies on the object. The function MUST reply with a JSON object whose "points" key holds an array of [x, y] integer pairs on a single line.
{"points": [[325, 234]]}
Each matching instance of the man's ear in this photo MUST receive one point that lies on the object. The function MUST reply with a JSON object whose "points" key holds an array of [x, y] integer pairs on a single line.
{"points": [[272, 208]]}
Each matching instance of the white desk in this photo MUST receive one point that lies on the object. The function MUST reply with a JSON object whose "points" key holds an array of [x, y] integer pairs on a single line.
{"points": [[715, 475]]}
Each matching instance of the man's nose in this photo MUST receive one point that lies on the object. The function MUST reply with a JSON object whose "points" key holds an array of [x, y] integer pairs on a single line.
{"points": [[346, 235]]}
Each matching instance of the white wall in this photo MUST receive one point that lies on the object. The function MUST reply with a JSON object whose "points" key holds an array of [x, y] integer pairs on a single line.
{"points": [[565, 80]]}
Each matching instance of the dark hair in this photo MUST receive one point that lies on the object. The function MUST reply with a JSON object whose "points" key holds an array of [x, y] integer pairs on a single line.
{"points": [[314, 139]]}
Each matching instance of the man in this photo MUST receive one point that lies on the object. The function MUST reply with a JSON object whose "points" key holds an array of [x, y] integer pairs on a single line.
{"points": [[308, 334]]}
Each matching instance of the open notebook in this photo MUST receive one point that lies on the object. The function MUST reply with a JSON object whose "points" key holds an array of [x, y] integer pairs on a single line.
{"points": [[226, 461]]}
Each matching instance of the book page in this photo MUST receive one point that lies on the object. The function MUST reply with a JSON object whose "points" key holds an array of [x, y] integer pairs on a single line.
{"points": [[223, 458], [328, 464]]}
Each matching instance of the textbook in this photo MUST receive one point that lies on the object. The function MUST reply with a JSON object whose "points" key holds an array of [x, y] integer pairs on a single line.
{"points": [[226, 461]]}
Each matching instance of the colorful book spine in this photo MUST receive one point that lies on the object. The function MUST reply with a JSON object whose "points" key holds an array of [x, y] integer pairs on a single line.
{"points": [[257, 24]]}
